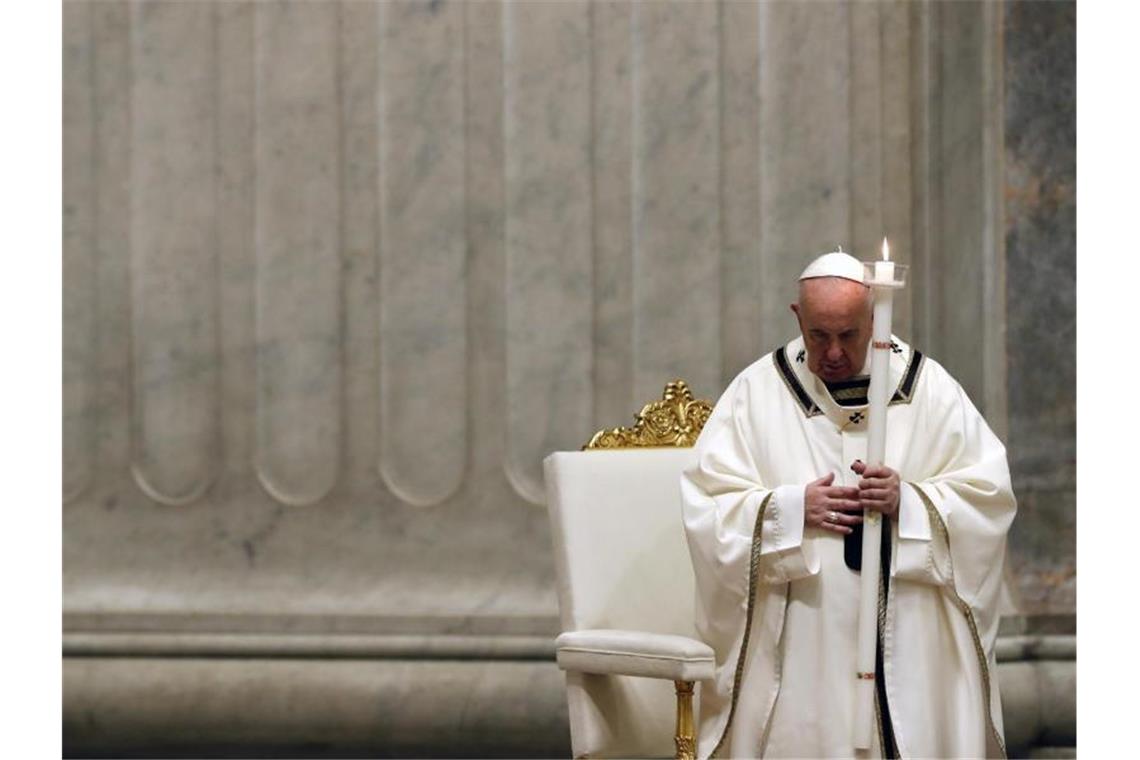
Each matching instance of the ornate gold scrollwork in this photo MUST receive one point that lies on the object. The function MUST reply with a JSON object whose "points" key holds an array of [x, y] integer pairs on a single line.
{"points": [[675, 420]]}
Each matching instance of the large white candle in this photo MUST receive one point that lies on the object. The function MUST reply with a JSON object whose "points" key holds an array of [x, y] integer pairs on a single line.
{"points": [[878, 396]]}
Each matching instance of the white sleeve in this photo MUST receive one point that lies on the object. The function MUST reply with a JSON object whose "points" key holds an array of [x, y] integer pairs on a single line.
{"points": [[783, 555], [919, 554], [727, 507], [957, 506]]}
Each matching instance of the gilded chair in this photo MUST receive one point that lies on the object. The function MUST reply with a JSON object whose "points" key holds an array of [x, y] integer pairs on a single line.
{"points": [[625, 584]]}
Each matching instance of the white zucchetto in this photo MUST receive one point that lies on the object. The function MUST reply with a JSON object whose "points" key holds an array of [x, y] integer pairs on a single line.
{"points": [[835, 264]]}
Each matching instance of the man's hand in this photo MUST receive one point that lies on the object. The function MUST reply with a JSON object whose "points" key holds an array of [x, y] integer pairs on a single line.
{"points": [[834, 508], [878, 488]]}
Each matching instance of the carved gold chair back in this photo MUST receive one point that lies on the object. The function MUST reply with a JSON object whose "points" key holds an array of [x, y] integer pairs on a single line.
{"points": [[676, 419]]}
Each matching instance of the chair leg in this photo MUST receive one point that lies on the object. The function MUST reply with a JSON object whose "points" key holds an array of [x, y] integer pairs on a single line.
{"points": [[685, 742]]}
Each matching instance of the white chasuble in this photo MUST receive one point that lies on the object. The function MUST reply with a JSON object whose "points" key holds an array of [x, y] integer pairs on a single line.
{"points": [[778, 603]]}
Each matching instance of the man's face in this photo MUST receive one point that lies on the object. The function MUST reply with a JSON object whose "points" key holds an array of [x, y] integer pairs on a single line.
{"points": [[835, 319]]}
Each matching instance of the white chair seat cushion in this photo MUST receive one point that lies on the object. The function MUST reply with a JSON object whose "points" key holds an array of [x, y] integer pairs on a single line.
{"points": [[635, 653]]}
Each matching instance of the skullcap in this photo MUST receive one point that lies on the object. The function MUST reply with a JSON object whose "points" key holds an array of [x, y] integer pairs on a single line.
{"points": [[835, 264]]}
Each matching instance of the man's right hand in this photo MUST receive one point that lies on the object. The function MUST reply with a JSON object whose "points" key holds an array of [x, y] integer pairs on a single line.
{"points": [[834, 508]]}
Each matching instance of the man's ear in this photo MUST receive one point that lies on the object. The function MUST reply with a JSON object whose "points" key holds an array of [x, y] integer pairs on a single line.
{"points": [[799, 319]]}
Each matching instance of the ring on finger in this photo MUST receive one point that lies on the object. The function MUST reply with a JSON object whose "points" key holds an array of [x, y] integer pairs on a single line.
{"points": [[833, 517]]}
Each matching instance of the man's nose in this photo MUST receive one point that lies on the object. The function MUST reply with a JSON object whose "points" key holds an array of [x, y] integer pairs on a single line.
{"points": [[834, 352]]}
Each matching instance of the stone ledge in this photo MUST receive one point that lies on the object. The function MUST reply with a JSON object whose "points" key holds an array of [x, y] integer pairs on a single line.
{"points": [[1039, 703], [308, 646], [1049, 647], [424, 646], [290, 707], [141, 707], [311, 623], [317, 690], [1044, 624]]}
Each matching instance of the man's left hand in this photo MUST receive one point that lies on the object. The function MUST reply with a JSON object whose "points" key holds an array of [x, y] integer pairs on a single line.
{"points": [[878, 488]]}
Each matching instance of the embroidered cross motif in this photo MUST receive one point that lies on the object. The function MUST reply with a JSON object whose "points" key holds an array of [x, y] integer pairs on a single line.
{"points": [[856, 417], [895, 348], [800, 356]]}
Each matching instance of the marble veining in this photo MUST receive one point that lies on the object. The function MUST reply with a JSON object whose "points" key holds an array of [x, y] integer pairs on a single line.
{"points": [[805, 149], [297, 241], [1040, 241], [547, 235], [612, 180], [79, 268], [422, 250], [372, 257], [675, 196], [173, 246]]}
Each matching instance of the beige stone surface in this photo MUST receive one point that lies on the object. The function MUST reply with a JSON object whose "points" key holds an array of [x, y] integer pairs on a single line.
{"points": [[313, 708], [341, 262], [547, 234], [174, 419], [422, 262], [359, 703], [337, 276]]}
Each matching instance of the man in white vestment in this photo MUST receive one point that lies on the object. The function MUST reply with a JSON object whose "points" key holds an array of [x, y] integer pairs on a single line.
{"points": [[773, 509]]}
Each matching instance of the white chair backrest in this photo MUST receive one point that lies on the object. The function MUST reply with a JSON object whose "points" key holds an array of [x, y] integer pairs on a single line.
{"points": [[622, 559], [622, 562]]}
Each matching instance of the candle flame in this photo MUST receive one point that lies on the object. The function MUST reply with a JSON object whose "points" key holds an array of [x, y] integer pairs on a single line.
{"points": [[886, 251]]}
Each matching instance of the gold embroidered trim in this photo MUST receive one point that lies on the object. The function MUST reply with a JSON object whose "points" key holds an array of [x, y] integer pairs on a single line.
{"points": [[849, 394], [968, 612], [675, 420], [753, 576]]}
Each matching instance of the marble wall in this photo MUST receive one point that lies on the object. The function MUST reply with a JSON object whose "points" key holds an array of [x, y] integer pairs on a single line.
{"points": [[1040, 248], [337, 277]]}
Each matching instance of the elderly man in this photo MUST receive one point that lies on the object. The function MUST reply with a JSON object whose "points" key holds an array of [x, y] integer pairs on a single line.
{"points": [[773, 509]]}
